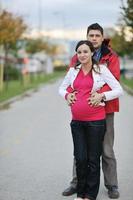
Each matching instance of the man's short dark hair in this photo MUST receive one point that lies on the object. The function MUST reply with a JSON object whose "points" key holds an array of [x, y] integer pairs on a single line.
{"points": [[95, 26]]}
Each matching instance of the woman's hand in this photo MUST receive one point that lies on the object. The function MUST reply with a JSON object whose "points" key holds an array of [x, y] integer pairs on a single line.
{"points": [[71, 98]]}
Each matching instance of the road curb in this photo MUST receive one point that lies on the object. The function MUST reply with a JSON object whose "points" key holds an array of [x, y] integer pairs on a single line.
{"points": [[5, 104]]}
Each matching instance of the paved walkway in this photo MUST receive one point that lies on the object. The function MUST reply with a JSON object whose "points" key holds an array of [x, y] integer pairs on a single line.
{"points": [[36, 148]]}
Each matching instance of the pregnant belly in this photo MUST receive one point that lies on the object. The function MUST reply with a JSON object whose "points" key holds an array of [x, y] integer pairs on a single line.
{"points": [[81, 110]]}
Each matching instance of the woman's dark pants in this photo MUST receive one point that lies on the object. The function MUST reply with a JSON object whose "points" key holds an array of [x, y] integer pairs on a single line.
{"points": [[87, 139]]}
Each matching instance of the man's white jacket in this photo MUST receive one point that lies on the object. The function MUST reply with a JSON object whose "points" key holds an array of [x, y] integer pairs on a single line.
{"points": [[105, 76]]}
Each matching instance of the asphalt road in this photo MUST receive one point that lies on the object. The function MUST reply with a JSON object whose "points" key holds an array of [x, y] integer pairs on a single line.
{"points": [[36, 148]]}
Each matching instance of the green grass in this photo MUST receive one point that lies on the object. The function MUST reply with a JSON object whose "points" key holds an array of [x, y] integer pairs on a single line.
{"points": [[127, 82], [14, 88]]}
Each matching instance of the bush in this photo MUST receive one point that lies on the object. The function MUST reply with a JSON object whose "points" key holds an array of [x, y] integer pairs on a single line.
{"points": [[60, 68], [11, 73]]}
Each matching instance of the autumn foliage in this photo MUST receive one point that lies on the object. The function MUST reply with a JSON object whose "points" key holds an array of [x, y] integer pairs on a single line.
{"points": [[11, 27]]}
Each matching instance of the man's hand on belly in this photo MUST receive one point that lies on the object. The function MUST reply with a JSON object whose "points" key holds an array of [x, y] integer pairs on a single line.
{"points": [[95, 99]]}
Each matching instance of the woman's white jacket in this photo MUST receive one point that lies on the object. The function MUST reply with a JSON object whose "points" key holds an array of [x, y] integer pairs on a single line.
{"points": [[105, 76]]}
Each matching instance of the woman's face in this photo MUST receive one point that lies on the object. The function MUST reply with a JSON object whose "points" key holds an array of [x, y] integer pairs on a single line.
{"points": [[84, 54]]}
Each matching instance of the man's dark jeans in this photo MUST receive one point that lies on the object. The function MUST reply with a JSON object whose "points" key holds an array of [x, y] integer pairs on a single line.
{"points": [[87, 139]]}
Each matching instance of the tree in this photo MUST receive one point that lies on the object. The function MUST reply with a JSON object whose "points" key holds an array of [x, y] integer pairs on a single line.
{"points": [[37, 45], [127, 16], [11, 29], [127, 13], [118, 43]]}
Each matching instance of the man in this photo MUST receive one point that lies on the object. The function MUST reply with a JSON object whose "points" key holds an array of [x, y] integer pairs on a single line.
{"points": [[105, 55]]}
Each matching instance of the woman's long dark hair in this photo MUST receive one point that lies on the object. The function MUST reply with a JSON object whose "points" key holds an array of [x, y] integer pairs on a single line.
{"points": [[90, 45]]}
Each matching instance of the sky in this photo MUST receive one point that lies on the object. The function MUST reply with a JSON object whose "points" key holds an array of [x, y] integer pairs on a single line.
{"points": [[65, 14]]}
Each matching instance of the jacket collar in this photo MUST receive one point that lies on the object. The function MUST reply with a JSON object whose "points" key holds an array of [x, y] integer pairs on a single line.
{"points": [[79, 67], [104, 50]]}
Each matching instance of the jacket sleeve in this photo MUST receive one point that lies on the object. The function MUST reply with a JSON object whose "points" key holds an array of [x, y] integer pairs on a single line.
{"points": [[116, 89], [114, 67], [65, 83]]}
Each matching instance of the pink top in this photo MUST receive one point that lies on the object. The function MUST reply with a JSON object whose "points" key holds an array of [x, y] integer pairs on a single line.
{"points": [[81, 110]]}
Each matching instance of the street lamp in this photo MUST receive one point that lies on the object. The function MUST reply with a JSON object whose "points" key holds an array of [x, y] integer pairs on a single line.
{"points": [[39, 15]]}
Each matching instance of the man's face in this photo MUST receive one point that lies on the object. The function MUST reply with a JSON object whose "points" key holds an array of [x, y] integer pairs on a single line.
{"points": [[96, 38]]}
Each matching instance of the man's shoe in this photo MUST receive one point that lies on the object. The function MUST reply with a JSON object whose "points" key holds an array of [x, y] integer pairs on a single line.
{"points": [[113, 192], [69, 191]]}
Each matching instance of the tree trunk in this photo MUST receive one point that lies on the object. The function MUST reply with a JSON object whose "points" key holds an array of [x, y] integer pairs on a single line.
{"points": [[6, 75]]}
